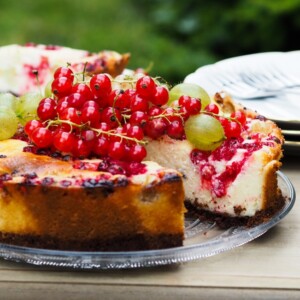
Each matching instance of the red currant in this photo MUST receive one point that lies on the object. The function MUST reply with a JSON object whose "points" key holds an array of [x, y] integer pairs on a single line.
{"points": [[129, 93], [64, 72], [146, 86], [101, 146], [102, 102], [102, 126], [156, 128], [47, 109], [136, 153], [81, 148], [117, 150], [88, 136], [171, 114], [190, 105], [100, 85], [126, 127], [161, 96], [90, 115], [175, 130], [31, 125], [42, 137], [61, 86], [111, 116], [91, 103], [232, 130], [62, 104], [134, 131], [47, 100], [154, 111], [70, 114], [138, 103], [117, 134], [76, 100], [212, 108], [64, 141], [224, 121], [139, 118], [84, 90], [184, 113], [239, 116], [193, 106], [119, 99], [182, 101]]}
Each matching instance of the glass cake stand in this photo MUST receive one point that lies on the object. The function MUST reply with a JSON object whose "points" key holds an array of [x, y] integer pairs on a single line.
{"points": [[202, 239]]}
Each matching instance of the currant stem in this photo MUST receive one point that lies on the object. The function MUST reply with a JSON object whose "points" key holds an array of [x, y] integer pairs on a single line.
{"points": [[84, 70], [110, 133], [228, 118], [166, 116], [58, 122], [114, 111], [149, 67], [98, 131]]}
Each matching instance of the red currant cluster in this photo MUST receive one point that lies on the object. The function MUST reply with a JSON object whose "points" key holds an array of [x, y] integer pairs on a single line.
{"points": [[233, 125], [91, 118]]}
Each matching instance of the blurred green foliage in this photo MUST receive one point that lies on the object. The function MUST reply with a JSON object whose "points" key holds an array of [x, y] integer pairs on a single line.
{"points": [[226, 28], [177, 36]]}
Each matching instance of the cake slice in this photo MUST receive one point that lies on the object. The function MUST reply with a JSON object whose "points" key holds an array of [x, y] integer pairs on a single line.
{"points": [[54, 204], [237, 182]]}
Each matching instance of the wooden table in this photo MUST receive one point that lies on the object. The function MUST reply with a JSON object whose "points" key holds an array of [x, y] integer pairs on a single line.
{"points": [[266, 268]]}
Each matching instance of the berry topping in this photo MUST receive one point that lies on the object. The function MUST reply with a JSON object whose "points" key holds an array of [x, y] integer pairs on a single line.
{"points": [[99, 116]]}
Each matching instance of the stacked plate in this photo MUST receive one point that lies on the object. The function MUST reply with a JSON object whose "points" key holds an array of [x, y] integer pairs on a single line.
{"points": [[291, 132], [281, 105]]}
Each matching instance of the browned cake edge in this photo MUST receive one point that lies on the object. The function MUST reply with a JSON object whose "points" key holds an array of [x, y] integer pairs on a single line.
{"points": [[136, 242]]}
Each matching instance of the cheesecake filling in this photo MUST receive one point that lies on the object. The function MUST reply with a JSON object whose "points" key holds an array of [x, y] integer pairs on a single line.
{"points": [[228, 180]]}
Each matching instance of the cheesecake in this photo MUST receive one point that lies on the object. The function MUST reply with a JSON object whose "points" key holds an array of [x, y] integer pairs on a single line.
{"points": [[30, 67], [116, 165]]}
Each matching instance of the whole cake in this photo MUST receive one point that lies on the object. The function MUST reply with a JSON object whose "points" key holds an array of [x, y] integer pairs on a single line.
{"points": [[20, 65], [105, 162]]}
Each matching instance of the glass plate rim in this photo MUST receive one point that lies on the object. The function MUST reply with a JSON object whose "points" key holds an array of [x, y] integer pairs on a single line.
{"points": [[131, 259]]}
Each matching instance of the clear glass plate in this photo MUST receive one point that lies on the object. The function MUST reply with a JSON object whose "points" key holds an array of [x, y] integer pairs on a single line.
{"points": [[202, 240]]}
